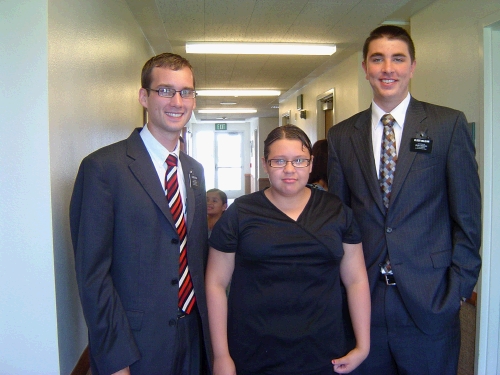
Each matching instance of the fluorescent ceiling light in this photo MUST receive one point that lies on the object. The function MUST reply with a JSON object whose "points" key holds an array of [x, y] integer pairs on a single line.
{"points": [[227, 103], [238, 93], [224, 110], [261, 48], [397, 23], [225, 120]]}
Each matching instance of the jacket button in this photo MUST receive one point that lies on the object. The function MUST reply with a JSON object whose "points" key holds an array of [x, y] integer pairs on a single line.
{"points": [[172, 322], [388, 229], [174, 282], [175, 241]]}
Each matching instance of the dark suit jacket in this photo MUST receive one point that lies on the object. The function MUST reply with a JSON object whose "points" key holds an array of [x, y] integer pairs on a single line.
{"points": [[127, 256], [433, 224]]}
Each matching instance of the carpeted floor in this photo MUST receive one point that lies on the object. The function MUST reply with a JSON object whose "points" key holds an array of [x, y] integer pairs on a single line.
{"points": [[467, 349]]}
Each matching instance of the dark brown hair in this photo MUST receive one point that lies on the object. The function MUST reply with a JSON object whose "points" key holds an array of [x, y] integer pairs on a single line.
{"points": [[286, 132], [222, 195], [320, 162], [164, 60], [390, 32]]}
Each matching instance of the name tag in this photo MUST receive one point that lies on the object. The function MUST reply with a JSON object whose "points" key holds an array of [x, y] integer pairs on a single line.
{"points": [[421, 145], [193, 180]]}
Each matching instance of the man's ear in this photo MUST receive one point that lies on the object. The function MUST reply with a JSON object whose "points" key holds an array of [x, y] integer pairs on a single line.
{"points": [[363, 64], [143, 97]]}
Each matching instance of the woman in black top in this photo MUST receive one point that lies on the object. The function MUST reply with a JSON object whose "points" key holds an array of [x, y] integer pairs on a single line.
{"points": [[286, 250]]}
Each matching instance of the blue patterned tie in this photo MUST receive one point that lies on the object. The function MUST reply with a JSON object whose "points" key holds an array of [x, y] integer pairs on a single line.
{"points": [[388, 158]]}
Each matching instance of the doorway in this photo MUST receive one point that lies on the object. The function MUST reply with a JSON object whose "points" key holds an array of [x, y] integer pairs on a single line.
{"points": [[325, 104], [222, 156], [229, 163]]}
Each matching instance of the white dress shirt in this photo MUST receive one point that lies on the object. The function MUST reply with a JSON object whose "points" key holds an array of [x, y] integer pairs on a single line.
{"points": [[159, 156], [399, 114]]}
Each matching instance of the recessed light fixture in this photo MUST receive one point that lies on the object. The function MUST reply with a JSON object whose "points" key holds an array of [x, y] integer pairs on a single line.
{"points": [[261, 48], [224, 110], [242, 92], [275, 106], [227, 103]]}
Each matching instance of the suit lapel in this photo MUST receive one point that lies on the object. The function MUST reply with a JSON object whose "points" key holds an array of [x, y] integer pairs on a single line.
{"points": [[143, 169], [362, 144], [190, 199], [414, 117]]}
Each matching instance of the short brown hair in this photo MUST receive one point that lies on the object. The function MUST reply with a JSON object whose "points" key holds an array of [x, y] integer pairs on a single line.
{"points": [[164, 60], [286, 132], [390, 32]]}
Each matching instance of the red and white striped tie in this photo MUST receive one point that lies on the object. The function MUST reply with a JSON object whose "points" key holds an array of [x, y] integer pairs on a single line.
{"points": [[187, 299]]}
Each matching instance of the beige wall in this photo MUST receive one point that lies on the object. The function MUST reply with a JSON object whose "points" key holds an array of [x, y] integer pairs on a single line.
{"points": [[448, 36], [448, 40], [352, 94], [96, 52]]}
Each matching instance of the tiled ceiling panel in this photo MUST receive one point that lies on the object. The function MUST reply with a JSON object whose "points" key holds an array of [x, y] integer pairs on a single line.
{"points": [[346, 23]]}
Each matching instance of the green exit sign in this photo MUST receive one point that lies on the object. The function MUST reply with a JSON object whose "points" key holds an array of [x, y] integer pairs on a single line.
{"points": [[220, 126]]}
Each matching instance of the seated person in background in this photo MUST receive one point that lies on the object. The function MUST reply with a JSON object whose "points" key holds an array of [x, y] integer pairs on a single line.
{"points": [[287, 248], [216, 205], [319, 176]]}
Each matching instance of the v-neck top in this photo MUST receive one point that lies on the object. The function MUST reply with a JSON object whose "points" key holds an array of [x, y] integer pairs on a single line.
{"points": [[285, 302]]}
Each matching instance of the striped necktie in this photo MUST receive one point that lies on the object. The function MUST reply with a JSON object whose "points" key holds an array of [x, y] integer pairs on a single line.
{"points": [[388, 158], [187, 298]]}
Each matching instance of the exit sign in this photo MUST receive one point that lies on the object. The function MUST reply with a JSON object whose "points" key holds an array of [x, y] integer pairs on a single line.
{"points": [[220, 126]]}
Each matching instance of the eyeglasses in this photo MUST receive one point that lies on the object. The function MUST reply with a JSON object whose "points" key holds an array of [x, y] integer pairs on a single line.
{"points": [[167, 92], [281, 163]]}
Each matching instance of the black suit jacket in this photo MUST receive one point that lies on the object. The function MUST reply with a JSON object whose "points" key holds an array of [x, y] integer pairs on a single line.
{"points": [[432, 228], [127, 256]]}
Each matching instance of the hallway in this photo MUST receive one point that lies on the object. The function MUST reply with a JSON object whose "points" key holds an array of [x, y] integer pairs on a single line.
{"points": [[84, 58]]}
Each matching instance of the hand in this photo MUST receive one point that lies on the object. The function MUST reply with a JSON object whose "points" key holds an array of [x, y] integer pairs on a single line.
{"points": [[125, 371], [224, 366], [350, 361]]}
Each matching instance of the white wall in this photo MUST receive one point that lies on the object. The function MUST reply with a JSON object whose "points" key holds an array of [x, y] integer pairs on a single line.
{"points": [[28, 328], [265, 127], [96, 53], [352, 94], [70, 74]]}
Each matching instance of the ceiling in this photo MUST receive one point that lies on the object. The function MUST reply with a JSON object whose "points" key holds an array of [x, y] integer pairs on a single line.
{"points": [[169, 24]]}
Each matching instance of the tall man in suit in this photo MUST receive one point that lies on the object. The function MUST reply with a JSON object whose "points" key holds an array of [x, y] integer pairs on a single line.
{"points": [[143, 300], [418, 204]]}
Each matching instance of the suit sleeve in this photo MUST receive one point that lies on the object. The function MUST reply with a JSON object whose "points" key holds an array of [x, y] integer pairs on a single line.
{"points": [[465, 206], [337, 183], [91, 219]]}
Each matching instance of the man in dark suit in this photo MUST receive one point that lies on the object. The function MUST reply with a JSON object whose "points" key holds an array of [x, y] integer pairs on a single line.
{"points": [[417, 201], [144, 304]]}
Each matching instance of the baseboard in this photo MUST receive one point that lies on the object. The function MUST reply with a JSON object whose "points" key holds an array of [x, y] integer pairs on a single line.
{"points": [[83, 365], [473, 299]]}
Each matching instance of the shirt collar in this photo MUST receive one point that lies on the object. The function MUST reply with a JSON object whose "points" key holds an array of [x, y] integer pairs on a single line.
{"points": [[156, 148], [399, 113]]}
